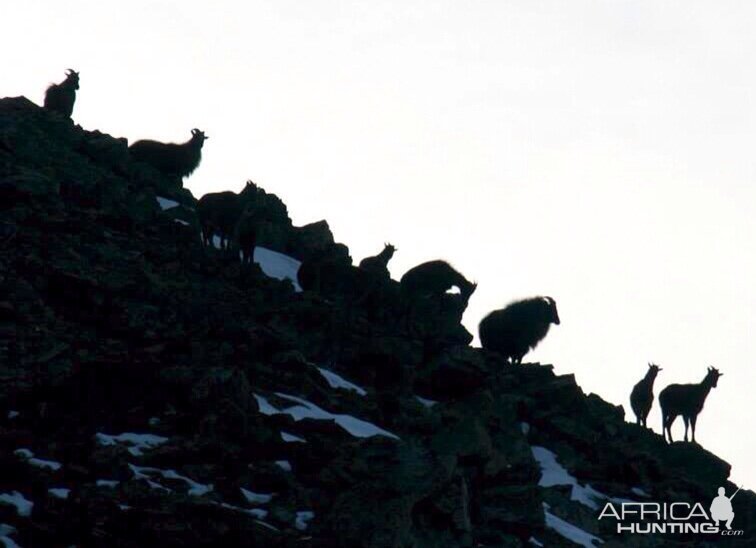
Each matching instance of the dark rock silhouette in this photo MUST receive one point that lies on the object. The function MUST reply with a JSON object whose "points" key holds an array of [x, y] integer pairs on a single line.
{"points": [[189, 400], [328, 272], [515, 330], [61, 97], [686, 400], [171, 159], [312, 240], [642, 395]]}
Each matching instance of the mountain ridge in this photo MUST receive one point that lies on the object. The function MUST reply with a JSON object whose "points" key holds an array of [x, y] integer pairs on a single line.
{"points": [[154, 391]]}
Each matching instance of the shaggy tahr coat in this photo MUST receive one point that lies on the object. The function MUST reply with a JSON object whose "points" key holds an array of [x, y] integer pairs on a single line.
{"points": [[61, 97], [515, 330], [171, 159], [433, 279]]}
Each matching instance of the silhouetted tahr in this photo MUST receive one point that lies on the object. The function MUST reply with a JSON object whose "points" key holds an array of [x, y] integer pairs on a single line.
{"points": [[686, 400], [433, 279], [219, 212], [642, 396], [259, 211], [245, 233], [516, 329], [61, 97], [172, 159], [378, 264]]}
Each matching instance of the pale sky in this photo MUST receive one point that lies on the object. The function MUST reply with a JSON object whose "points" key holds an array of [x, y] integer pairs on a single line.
{"points": [[597, 152]]}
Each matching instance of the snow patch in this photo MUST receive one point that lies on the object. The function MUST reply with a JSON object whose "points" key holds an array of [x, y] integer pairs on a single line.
{"points": [[138, 442], [277, 265], [59, 492], [22, 504], [302, 518], [553, 473], [307, 410], [13, 414], [264, 406], [195, 489], [569, 531], [181, 222], [291, 438], [284, 465], [6, 530], [272, 263], [112, 484], [256, 512], [268, 525], [256, 498], [337, 381], [138, 472], [39, 463], [535, 542], [165, 203], [640, 492], [524, 428], [426, 402]]}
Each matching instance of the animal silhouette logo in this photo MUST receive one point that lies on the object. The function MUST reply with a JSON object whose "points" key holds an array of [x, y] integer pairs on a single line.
{"points": [[721, 508]]}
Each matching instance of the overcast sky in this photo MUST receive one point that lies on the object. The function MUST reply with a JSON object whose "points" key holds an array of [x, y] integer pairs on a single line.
{"points": [[597, 152]]}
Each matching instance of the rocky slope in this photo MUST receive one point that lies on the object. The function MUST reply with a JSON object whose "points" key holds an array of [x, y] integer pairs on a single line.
{"points": [[153, 392]]}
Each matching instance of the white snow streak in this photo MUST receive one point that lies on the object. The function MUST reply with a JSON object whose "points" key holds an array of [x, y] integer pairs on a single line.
{"points": [[337, 381], [143, 472], [256, 498], [165, 203], [277, 265], [291, 438], [138, 443], [302, 518], [307, 410], [553, 473], [426, 402], [22, 504], [39, 463]]}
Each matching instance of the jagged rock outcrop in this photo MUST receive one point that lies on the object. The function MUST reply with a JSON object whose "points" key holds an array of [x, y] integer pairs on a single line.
{"points": [[154, 392]]}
